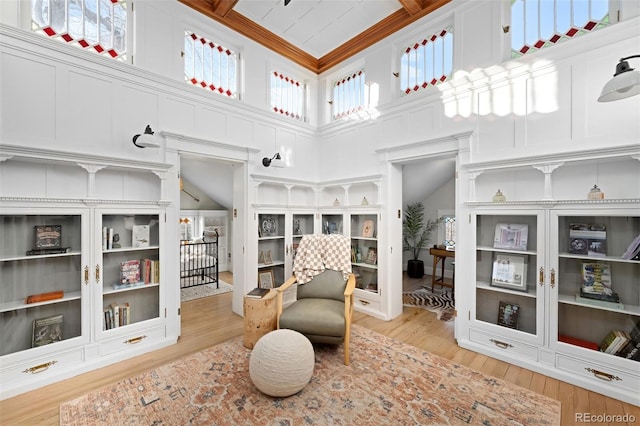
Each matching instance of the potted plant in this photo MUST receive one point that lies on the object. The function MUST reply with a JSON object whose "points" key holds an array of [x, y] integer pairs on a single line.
{"points": [[415, 236]]}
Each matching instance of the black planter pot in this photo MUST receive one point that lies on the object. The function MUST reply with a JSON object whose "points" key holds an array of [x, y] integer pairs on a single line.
{"points": [[415, 268]]}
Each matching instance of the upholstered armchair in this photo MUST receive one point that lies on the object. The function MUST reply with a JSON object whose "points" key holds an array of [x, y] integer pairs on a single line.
{"points": [[324, 301], [323, 309]]}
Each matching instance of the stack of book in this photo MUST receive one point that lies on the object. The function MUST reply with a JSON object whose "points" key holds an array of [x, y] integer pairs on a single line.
{"points": [[623, 344], [117, 316], [150, 271]]}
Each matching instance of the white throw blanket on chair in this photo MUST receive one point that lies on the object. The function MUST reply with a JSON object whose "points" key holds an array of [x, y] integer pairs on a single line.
{"points": [[318, 252]]}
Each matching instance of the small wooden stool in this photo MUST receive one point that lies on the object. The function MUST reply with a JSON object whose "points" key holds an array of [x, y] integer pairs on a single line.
{"points": [[260, 317]]}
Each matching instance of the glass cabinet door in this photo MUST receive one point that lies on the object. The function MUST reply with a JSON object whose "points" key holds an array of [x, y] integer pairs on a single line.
{"points": [[598, 296], [271, 249], [42, 279], [130, 275], [364, 250], [510, 271], [301, 225]]}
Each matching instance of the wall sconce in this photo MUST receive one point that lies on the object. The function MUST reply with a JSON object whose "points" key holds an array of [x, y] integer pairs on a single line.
{"points": [[266, 161], [625, 82], [146, 140]]}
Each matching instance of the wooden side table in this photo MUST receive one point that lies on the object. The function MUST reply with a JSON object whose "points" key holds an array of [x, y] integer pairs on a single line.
{"points": [[260, 316], [440, 255]]}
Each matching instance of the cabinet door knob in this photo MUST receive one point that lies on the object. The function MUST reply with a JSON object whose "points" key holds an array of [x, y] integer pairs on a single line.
{"points": [[86, 275], [98, 274], [553, 278]]}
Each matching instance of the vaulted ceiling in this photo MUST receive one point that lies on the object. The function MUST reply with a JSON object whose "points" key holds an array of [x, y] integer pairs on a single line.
{"points": [[316, 34]]}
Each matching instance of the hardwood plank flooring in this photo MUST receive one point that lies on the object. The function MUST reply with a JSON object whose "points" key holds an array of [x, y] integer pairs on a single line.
{"points": [[208, 321]]}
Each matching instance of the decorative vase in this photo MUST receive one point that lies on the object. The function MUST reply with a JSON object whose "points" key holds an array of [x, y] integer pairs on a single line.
{"points": [[415, 268]]}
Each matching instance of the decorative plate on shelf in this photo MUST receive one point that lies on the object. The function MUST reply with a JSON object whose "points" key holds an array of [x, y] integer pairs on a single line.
{"points": [[269, 227]]}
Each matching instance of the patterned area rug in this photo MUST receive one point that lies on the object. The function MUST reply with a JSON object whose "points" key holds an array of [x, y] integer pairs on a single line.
{"points": [[387, 383], [440, 303], [204, 290]]}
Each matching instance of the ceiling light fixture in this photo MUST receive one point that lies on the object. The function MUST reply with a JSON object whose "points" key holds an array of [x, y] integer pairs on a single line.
{"points": [[146, 140], [266, 161], [625, 82]]}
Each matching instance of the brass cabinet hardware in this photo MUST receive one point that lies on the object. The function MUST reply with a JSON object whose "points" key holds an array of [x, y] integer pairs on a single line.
{"points": [[553, 278], [98, 274], [86, 275], [501, 345], [39, 368], [602, 375], [364, 302], [541, 276], [135, 340]]}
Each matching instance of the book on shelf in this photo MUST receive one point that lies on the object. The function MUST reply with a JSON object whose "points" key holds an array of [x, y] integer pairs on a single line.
{"points": [[258, 293], [578, 342], [140, 236], [588, 238], [107, 238], [633, 251], [596, 278], [614, 341], [129, 272], [117, 315], [508, 314], [44, 297], [604, 303], [43, 251], [47, 330]]}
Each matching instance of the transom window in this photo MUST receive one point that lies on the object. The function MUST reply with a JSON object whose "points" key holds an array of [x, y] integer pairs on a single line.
{"points": [[536, 24], [98, 25], [349, 95], [287, 96], [427, 62], [210, 65]]}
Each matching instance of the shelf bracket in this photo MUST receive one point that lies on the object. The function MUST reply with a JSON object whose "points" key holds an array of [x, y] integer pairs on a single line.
{"points": [[547, 169], [91, 169]]}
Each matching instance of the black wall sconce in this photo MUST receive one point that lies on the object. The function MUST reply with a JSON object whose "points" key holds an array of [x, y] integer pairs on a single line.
{"points": [[266, 161], [146, 140]]}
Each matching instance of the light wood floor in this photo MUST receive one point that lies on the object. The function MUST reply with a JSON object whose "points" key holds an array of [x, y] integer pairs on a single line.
{"points": [[208, 321]]}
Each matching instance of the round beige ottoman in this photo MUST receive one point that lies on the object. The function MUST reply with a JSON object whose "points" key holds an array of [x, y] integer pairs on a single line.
{"points": [[281, 363]]}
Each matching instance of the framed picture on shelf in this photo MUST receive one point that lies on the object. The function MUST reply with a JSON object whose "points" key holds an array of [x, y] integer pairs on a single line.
{"points": [[509, 271], [331, 227], [372, 256], [511, 236], [367, 229], [266, 279], [508, 314], [267, 258], [48, 236]]}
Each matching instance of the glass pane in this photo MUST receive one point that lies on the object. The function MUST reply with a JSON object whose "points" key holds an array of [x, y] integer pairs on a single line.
{"points": [[531, 16], [91, 21], [40, 272], [59, 16], [76, 19], [120, 28], [547, 19], [40, 12], [106, 24]]}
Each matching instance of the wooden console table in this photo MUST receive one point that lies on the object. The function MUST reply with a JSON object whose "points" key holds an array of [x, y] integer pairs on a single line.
{"points": [[260, 316], [439, 256]]}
